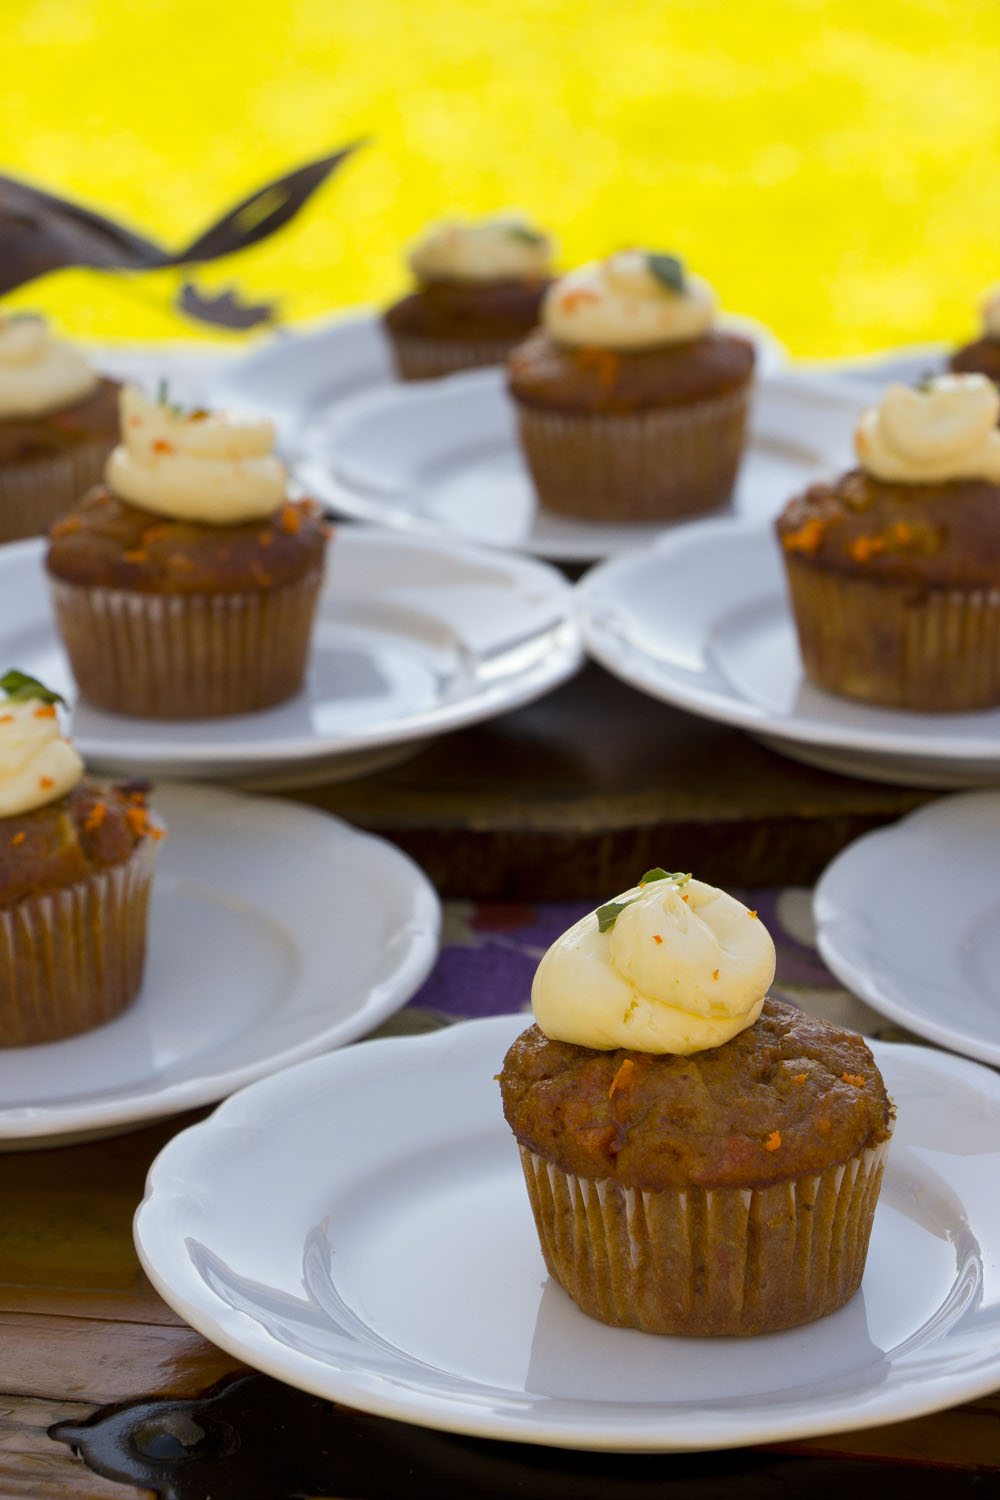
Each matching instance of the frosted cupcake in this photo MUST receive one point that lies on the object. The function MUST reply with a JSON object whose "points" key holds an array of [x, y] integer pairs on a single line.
{"points": [[631, 405], [185, 587], [479, 287], [894, 570], [76, 865], [58, 423], [982, 356], [700, 1160]]}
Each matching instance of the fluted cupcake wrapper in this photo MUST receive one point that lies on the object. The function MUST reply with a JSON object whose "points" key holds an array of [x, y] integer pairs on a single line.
{"points": [[73, 959], [177, 656], [886, 643], [36, 492], [733, 1261], [427, 359], [638, 466]]}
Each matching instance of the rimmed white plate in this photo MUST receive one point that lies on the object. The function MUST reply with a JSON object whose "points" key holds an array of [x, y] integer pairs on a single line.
{"points": [[302, 373], [413, 637], [441, 458], [701, 619], [908, 917], [396, 1268], [275, 932]]}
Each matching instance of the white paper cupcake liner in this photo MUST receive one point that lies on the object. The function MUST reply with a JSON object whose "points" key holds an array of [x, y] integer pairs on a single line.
{"points": [[428, 359], [35, 493], [188, 656], [73, 959], [700, 1262], [885, 643]]}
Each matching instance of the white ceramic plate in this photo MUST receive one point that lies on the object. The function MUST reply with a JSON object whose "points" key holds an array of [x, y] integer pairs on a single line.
{"points": [[441, 458], [275, 932], [396, 1267], [701, 619], [413, 637], [301, 374], [908, 918]]}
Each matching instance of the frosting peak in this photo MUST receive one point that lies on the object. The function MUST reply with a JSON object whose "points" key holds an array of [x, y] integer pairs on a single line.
{"points": [[947, 430], [634, 299], [39, 374], [502, 247], [37, 763], [195, 466], [684, 967]]}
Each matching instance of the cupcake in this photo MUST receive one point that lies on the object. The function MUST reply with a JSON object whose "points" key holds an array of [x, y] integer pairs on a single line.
{"points": [[185, 586], [982, 356], [479, 286], [76, 865], [894, 569], [58, 423], [630, 405], [700, 1160]]}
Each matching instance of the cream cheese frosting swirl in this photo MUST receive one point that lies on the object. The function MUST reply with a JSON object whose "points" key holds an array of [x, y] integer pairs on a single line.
{"points": [[503, 247], [946, 430], [683, 968], [195, 466], [621, 303], [39, 374], [37, 763]]}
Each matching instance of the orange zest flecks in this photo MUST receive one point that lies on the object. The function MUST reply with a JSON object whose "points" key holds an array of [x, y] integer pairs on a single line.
{"points": [[577, 296], [46, 711], [753, 914], [19, 838], [6, 718], [161, 445], [856, 1079], [95, 818], [684, 898], [715, 973], [289, 518], [45, 782], [806, 538], [623, 1077], [656, 938], [773, 1142]]}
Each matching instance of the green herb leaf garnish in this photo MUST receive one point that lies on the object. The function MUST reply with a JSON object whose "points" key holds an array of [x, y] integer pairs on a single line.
{"points": [[523, 233], [608, 914], [163, 398], [668, 270], [19, 688]]}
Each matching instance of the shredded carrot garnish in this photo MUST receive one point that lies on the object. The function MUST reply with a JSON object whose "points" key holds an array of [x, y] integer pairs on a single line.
{"points": [[683, 898], [808, 537], [19, 838], [136, 555], [800, 1078], [45, 782], [160, 445], [856, 1078], [575, 297], [623, 1077], [97, 815], [65, 526], [715, 973], [47, 711], [773, 1141], [902, 532], [6, 718], [656, 938], [864, 548], [604, 361], [289, 519], [753, 914]]}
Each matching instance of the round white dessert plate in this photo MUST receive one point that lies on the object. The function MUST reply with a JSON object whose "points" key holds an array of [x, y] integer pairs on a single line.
{"points": [[358, 1227], [442, 458], [413, 637], [700, 618], [908, 918], [297, 377], [275, 932]]}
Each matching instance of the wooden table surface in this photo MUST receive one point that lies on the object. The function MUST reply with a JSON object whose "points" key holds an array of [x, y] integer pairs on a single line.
{"points": [[567, 798]]}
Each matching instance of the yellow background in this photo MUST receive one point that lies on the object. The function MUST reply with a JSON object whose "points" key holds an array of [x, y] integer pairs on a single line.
{"points": [[832, 166]]}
